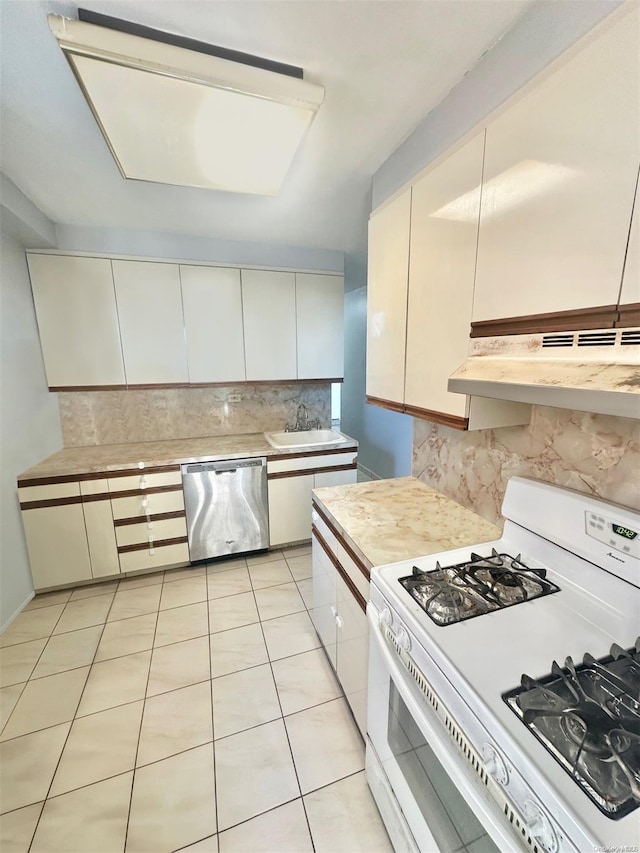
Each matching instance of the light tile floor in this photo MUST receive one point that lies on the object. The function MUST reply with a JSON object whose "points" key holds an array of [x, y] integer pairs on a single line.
{"points": [[186, 710]]}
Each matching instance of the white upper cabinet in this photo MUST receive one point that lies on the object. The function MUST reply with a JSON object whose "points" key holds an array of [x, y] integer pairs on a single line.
{"points": [[151, 322], [269, 306], [320, 326], [77, 320], [212, 302], [559, 177], [445, 208], [387, 280]]}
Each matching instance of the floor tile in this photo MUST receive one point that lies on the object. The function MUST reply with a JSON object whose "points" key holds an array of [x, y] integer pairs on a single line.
{"points": [[135, 602], [184, 574], [84, 613], [18, 662], [297, 551], [270, 574], [228, 563], [173, 803], [31, 625], [319, 759], [138, 581], [99, 746], [180, 593], [229, 582], [301, 567], [28, 764], [68, 651], [305, 680], [237, 649], [243, 700], [127, 637], [90, 590], [179, 665], [232, 612], [115, 682], [46, 599], [283, 830], [344, 819], [173, 722], [305, 588], [90, 820], [254, 773], [290, 635], [265, 557], [17, 828], [278, 601], [46, 702], [8, 699], [207, 845], [182, 623]]}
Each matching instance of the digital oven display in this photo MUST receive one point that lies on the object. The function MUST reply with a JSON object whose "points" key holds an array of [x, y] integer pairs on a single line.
{"points": [[624, 531]]}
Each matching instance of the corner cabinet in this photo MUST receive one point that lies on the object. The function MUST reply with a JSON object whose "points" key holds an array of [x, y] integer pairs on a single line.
{"points": [[290, 481], [340, 595]]}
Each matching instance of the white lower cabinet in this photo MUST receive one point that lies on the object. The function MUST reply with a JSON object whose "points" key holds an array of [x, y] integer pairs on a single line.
{"points": [[339, 617], [57, 544]]}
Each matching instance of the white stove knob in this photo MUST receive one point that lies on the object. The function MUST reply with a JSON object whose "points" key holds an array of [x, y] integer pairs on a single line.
{"points": [[403, 640], [386, 617], [540, 827], [494, 764]]}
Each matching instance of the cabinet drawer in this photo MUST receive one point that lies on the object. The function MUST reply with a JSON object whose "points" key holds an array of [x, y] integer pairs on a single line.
{"points": [[145, 480], [305, 463], [51, 492], [354, 572], [324, 530], [136, 506], [95, 487], [164, 556], [168, 528]]}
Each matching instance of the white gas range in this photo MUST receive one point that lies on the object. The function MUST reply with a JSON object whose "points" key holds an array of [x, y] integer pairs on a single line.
{"points": [[466, 754]]}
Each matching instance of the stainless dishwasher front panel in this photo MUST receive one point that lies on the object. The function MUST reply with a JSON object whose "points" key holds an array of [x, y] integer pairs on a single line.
{"points": [[226, 505]]}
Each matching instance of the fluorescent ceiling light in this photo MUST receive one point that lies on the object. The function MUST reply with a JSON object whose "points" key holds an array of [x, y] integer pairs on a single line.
{"points": [[175, 116], [510, 189]]}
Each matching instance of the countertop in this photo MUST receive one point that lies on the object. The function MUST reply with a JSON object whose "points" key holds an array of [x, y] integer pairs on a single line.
{"points": [[389, 520], [116, 457]]}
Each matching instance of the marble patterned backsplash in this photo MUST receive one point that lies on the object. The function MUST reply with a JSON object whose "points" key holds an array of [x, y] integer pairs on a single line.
{"points": [[120, 417], [595, 454]]}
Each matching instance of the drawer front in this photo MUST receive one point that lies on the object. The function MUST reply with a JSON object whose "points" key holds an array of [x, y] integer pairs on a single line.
{"points": [[52, 492], [304, 463], [94, 487], [168, 528], [167, 555], [145, 480], [325, 531], [136, 506], [355, 574]]}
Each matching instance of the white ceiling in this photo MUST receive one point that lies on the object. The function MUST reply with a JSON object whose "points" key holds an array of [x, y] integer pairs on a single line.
{"points": [[384, 64]]}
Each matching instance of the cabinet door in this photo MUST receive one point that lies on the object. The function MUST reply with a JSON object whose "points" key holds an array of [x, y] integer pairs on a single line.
{"points": [[151, 322], [387, 278], [559, 177], [269, 306], [101, 535], [445, 207], [324, 610], [212, 303], [353, 652], [630, 290], [320, 326], [335, 478], [290, 509], [77, 320], [57, 545]]}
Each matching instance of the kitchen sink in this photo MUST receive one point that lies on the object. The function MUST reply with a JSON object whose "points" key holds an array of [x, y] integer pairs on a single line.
{"points": [[304, 438]]}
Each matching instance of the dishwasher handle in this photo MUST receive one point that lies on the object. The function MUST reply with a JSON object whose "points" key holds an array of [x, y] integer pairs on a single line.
{"points": [[228, 466]]}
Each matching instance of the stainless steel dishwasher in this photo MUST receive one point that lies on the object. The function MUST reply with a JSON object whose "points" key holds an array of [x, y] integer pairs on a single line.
{"points": [[226, 506]]}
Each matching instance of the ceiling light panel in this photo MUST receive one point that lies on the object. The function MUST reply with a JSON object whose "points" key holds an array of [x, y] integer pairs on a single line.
{"points": [[174, 116]]}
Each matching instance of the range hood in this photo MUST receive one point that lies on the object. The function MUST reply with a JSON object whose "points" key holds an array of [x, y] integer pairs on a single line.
{"points": [[590, 371]]}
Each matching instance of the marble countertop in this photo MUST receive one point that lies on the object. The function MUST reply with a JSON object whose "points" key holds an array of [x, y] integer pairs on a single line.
{"points": [[115, 457], [390, 520]]}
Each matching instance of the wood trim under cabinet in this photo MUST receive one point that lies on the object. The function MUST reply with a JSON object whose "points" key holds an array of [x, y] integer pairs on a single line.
{"points": [[158, 516], [365, 571], [76, 499], [572, 320], [280, 475], [355, 592], [58, 388], [158, 543], [385, 404], [453, 421], [151, 386], [628, 315]]}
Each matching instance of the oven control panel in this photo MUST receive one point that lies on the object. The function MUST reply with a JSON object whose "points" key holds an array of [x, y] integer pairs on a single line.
{"points": [[612, 533]]}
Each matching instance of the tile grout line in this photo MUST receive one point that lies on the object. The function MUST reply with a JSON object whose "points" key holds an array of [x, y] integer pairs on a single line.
{"points": [[213, 722]]}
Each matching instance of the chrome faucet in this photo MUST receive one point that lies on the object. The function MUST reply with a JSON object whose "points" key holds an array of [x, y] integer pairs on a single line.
{"points": [[302, 421]]}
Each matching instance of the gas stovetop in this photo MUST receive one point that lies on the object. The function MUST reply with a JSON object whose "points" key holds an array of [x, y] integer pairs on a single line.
{"points": [[588, 717], [475, 586]]}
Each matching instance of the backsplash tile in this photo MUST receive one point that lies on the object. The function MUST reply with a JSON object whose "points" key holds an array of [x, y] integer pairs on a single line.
{"points": [[595, 454], [117, 417]]}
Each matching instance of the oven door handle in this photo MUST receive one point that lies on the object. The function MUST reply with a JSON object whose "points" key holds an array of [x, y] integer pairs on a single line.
{"points": [[445, 750]]}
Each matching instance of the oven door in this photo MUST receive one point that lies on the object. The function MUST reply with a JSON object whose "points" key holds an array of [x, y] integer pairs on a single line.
{"points": [[444, 805]]}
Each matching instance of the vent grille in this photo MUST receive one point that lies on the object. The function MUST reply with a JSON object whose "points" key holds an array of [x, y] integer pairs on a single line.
{"points": [[632, 336], [515, 820], [597, 339], [557, 340]]}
